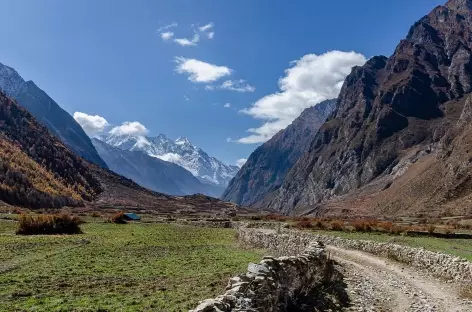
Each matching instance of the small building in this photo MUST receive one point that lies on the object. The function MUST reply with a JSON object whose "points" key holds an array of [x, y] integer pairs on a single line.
{"points": [[131, 216]]}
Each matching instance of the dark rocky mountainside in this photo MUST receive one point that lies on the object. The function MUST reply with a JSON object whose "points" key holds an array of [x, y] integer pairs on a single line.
{"points": [[49, 113], [268, 165], [394, 115], [38, 171], [152, 172]]}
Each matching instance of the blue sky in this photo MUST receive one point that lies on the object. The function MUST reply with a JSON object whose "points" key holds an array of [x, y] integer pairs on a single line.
{"points": [[107, 58]]}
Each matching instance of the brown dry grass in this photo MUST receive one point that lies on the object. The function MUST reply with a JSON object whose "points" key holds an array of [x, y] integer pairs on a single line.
{"points": [[40, 224], [274, 217], [118, 218], [337, 225], [304, 224], [363, 225]]}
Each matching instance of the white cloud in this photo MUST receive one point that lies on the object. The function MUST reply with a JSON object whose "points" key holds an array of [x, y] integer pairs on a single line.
{"points": [[309, 81], [227, 105], [171, 25], [186, 98], [229, 140], [188, 42], [241, 162], [208, 30], [167, 35], [206, 27], [92, 124], [232, 85], [134, 128], [199, 71], [237, 85]]}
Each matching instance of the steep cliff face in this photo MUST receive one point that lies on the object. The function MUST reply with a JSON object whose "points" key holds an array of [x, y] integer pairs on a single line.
{"points": [[268, 165], [386, 108], [49, 113], [36, 169]]}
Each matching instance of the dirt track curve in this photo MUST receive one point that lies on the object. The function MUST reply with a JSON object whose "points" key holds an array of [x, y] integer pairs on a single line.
{"points": [[378, 284]]}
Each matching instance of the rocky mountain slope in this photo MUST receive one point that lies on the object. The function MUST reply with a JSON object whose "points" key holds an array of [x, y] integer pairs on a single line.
{"points": [[182, 152], [394, 122], [39, 171], [267, 166], [152, 172], [49, 113]]}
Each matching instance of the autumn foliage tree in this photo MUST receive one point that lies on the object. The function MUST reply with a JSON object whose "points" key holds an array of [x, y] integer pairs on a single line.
{"points": [[36, 169]]}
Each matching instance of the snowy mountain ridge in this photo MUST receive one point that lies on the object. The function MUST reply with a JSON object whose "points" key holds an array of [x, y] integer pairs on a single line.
{"points": [[182, 152]]}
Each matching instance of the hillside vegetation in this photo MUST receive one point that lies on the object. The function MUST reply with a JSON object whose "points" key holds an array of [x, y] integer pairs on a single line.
{"points": [[37, 170]]}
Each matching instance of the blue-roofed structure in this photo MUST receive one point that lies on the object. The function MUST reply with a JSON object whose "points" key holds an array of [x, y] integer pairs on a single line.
{"points": [[131, 216]]}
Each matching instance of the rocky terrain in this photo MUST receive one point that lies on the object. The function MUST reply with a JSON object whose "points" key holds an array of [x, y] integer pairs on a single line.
{"points": [[399, 123], [39, 171], [358, 281], [267, 166], [49, 113], [376, 284]]}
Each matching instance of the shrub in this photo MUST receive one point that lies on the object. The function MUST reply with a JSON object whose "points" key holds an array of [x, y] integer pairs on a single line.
{"points": [[398, 229], [362, 226], [386, 226], [275, 217], [337, 225], [96, 215], [319, 224], [303, 225], [31, 224], [118, 218], [301, 219], [431, 228]]}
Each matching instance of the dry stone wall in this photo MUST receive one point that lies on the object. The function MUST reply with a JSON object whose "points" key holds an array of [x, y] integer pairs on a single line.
{"points": [[439, 264], [276, 284], [436, 263]]}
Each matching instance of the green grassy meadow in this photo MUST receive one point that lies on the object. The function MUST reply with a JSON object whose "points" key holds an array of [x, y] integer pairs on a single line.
{"points": [[131, 267]]}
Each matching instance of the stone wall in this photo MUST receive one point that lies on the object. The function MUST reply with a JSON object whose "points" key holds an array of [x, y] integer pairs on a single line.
{"points": [[439, 264], [277, 284]]}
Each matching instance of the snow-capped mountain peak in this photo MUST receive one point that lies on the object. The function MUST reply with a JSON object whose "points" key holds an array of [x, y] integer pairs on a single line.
{"points": [[10, 80], [183, 141], [181, 152]]}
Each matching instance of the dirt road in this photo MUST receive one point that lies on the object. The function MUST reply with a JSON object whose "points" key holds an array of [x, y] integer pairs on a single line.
{"points": [[377, 284]]}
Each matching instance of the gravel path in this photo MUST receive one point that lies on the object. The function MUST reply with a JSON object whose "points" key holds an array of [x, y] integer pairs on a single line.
{"points": [[377, 284]]}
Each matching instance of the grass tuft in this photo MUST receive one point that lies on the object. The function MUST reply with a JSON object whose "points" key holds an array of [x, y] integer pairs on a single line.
{"points": [[304, 224], [118, 218], [40, 224], [337, 225]]}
